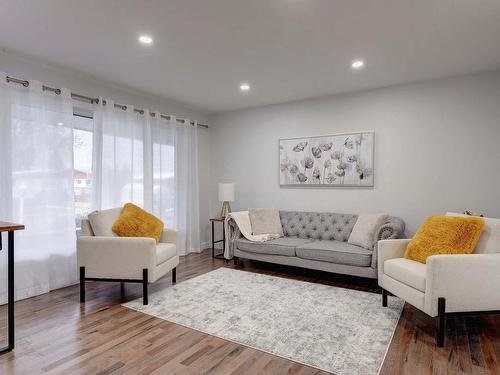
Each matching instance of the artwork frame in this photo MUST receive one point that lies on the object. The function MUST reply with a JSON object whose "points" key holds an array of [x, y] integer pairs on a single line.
{"points": [[336, 160]]}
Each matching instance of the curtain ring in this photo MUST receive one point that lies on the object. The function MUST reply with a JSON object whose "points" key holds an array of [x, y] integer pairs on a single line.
{"points": [[57, 91]]}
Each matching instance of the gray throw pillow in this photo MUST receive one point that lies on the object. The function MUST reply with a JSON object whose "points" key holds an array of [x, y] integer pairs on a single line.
{"points": [[265, 221], [364, 230]]}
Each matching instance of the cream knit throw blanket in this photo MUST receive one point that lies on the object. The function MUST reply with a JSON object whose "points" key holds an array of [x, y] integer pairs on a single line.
{"points": [[242, 221]]}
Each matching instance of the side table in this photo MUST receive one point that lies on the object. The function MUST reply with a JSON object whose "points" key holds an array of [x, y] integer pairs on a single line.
{"points": [[9, 228], [214, 220]]}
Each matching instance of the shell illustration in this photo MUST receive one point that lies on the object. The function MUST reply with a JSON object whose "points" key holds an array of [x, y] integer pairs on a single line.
{"points": [[301, 177], [300, 147], [326, 146], [336, 155], [316, 151], [307, 162], [342, 165], [316, 173], [331, 178], [348, 144]]}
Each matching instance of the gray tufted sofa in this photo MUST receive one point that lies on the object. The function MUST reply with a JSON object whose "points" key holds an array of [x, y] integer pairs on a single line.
{"points": [[319, 241]]}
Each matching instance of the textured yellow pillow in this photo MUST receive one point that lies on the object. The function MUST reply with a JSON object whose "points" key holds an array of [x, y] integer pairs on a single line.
{"points": [[444, 235], [135, 222]]}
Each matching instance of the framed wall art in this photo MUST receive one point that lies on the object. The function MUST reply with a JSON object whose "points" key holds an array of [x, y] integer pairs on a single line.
{"points": [[331, 160]]}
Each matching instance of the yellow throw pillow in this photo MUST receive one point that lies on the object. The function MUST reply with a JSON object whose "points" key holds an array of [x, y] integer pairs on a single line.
{"points": [[135, 222], [444, 235]]}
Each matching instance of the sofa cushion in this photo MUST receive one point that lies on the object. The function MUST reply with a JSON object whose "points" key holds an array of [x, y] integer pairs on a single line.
{"points": [[317, 225], [102, 221], [409, 272], [279, 246], [335, 252], [265, 221], [165, 251], [363, 232]]}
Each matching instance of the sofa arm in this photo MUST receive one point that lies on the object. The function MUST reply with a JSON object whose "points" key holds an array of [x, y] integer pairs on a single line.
{"points": [[469, 282], [116, 257], [169, 236], [389, 249], [392, 229]]}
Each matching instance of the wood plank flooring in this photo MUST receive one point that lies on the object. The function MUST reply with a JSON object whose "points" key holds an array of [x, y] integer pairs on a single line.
{"points": [[58, 335]]}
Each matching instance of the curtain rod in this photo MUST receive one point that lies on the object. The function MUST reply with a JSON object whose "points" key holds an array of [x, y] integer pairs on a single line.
{"points": [[91, 100]]}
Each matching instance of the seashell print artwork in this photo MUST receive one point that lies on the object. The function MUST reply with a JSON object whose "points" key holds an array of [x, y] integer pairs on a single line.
{"points": [[333, 160]]}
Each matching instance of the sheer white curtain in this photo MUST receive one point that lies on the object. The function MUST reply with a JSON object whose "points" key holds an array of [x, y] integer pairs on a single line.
{"points": [[174, 160], [150, 161], [118, 160], [36, 186], [188, 211]]}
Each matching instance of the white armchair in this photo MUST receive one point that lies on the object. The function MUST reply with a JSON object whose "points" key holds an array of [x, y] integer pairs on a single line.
{"points": [[446, 285], [103, 256]]}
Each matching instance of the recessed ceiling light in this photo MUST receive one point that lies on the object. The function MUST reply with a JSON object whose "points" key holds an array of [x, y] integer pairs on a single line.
{"points": [[357, 64], [145, 39], [60, 124], [244, 87]]}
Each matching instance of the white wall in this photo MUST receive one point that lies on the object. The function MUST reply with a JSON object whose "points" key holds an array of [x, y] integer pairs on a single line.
{"points": [[23, 68], [437, 148]]}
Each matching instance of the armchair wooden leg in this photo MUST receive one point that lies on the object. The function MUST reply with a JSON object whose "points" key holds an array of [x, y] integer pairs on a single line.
{"points": [[236, 259], [82, 284], [145, 286], [174, 275], [441, 322], [384, 297]]}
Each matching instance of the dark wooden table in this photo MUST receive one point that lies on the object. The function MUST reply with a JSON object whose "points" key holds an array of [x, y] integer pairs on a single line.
{"points": [[10, 228], [214, 220]]}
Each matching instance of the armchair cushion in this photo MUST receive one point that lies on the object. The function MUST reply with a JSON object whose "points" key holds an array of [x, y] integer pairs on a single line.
{"points": [[165, 251], [406, 271], [102, 221], [136, 222]]}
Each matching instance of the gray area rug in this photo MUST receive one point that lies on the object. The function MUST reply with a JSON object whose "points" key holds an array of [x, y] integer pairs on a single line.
{"points": [[338, 330]]}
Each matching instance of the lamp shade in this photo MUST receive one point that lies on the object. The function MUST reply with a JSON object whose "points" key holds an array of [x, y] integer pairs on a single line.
{"points": [[226, 192]]}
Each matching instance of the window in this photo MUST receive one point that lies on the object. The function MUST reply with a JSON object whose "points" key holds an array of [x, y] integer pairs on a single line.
{"points": [[82, 165]]}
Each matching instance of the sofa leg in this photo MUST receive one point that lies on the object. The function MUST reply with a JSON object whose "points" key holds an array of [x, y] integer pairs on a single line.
{"points": [[236, 260], [82, 284], [384, 297], [145, 286], [174, 275], [441, 322]]}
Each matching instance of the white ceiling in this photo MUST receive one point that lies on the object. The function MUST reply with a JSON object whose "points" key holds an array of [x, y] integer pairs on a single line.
{"points": [[286, 49]]}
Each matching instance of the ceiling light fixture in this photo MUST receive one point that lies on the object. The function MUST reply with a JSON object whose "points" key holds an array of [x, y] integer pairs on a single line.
{"points": [[244, 87], [145, 39], [357, 64]]}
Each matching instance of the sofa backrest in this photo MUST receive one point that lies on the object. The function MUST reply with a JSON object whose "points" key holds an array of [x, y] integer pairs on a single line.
{"points": [[489, 242], [318, 225]]}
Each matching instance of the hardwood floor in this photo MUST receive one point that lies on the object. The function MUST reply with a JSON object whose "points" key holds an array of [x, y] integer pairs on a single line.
{"points": [[58, 335]]}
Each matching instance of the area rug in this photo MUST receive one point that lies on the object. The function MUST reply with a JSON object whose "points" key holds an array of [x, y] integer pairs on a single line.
{"points": [[342, 331]]}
